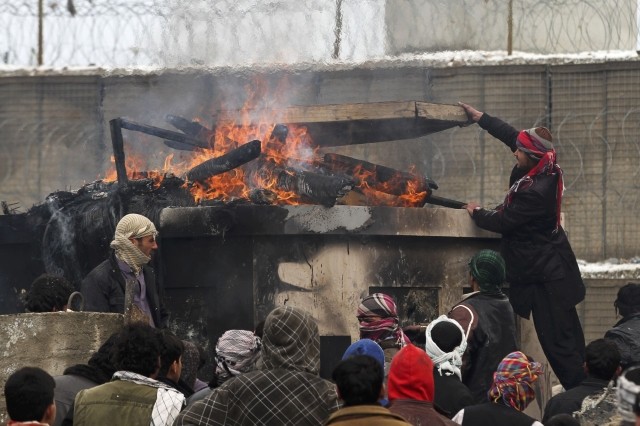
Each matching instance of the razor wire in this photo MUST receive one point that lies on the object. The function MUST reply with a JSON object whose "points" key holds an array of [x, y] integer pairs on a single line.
{"points": [[163, 33]]}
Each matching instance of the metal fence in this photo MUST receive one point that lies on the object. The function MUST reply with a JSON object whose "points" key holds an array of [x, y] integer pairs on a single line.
{"points": [[54, 133]]}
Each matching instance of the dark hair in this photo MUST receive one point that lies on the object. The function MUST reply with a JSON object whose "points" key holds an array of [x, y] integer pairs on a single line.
{"points": [[562, 419], [137, 349], [628, 300], [259, 331], [28, 392], [603, 358], [48, 293], [446, 336], [359, 379], [101, 359], [171, 349]]}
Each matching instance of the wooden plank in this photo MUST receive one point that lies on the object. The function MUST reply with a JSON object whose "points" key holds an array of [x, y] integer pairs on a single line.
{"points": [[346, 124], [442, 112]]}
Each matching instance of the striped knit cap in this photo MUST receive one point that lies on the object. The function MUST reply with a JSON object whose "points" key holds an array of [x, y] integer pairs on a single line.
{"points": [[132, 226], [487, 267], [535, 142], [513, 381]]}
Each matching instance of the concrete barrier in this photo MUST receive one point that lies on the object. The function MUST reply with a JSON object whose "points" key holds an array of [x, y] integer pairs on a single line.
{"points": [[52, 341]]}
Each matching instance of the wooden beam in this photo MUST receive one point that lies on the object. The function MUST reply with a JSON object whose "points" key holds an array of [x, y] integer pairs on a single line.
{"points": [[346, 124]]}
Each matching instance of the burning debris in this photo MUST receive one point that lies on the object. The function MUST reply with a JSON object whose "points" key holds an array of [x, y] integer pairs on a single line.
{"points": [[250, 163], [281, 165]]}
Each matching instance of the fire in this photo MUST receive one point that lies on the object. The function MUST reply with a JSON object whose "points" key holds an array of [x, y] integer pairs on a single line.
{"points": [[282, 147]]}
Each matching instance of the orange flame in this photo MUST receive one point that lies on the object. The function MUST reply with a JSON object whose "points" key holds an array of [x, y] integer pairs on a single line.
{"points": [[260, 174]]}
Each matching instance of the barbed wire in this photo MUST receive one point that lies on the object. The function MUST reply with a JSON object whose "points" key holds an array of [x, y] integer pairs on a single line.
{"points": [[229, 32]]}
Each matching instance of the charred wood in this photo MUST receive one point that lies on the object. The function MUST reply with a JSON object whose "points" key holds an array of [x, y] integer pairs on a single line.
{"points": [[226, 162], [162, 133], [191, 128], [377, 177], [311, 187], [318, 188], [263, 196]]}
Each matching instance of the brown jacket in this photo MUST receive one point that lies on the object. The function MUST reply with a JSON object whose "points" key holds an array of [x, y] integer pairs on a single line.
{"points": [[419, 413], [365, 415]]}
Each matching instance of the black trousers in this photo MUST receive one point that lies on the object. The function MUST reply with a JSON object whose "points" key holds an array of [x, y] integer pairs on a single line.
{"points": [[560, 335]]}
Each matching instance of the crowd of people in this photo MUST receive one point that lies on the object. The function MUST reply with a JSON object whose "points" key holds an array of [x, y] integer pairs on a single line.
{"points": [[465, 368]]}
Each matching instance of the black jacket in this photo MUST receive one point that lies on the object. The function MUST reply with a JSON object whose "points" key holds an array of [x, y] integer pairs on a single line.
{"points": [[495, 414], [451, 395], [492, 336], [569, 401], [104, 287], [534, 251], [626, 335]]}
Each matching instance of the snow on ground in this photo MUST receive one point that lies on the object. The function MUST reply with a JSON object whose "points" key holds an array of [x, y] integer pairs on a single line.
{"points": [[444, 59], [611, 269]]}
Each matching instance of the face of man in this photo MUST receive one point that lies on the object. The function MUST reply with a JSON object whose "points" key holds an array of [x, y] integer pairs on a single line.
{"points": [[524, 162], [145, 244]]}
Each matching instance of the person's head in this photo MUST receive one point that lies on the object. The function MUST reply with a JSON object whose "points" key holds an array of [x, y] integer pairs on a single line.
{"points": [[138, 231], [291, 341], [411, 375], [359, 380], [628, 300], [487, 271], [236, 352], [628, 395], [171, 350], [29, 396], [513, 381], [445, 344], [378, 317], [562, 419], [101, 359], [365, 347], [48, 293], [532, 145], [602, 359], [137, 349]]}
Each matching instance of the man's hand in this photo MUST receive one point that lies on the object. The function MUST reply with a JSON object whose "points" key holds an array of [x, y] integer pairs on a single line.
{"points": [[470, 207], [472, 114]]}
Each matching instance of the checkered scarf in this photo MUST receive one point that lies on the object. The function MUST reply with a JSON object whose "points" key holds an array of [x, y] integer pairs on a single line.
{"points": [[291, 341], [169, 401], [381, 305], [513, 381], [132, 226], [236, 353]]}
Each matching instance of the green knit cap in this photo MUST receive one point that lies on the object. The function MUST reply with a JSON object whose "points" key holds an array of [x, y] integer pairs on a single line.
{"points": [[488, 269]]}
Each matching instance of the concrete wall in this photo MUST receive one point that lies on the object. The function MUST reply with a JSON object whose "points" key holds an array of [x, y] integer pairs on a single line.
{"points": [[414, 26], [52, 341]]}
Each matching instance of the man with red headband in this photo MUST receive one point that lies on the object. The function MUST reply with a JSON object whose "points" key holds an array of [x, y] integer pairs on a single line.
{"points": [[542, 271]]}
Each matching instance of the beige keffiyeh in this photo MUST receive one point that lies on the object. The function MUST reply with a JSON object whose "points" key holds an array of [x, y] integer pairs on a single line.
{"points": [[132, 226]]}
